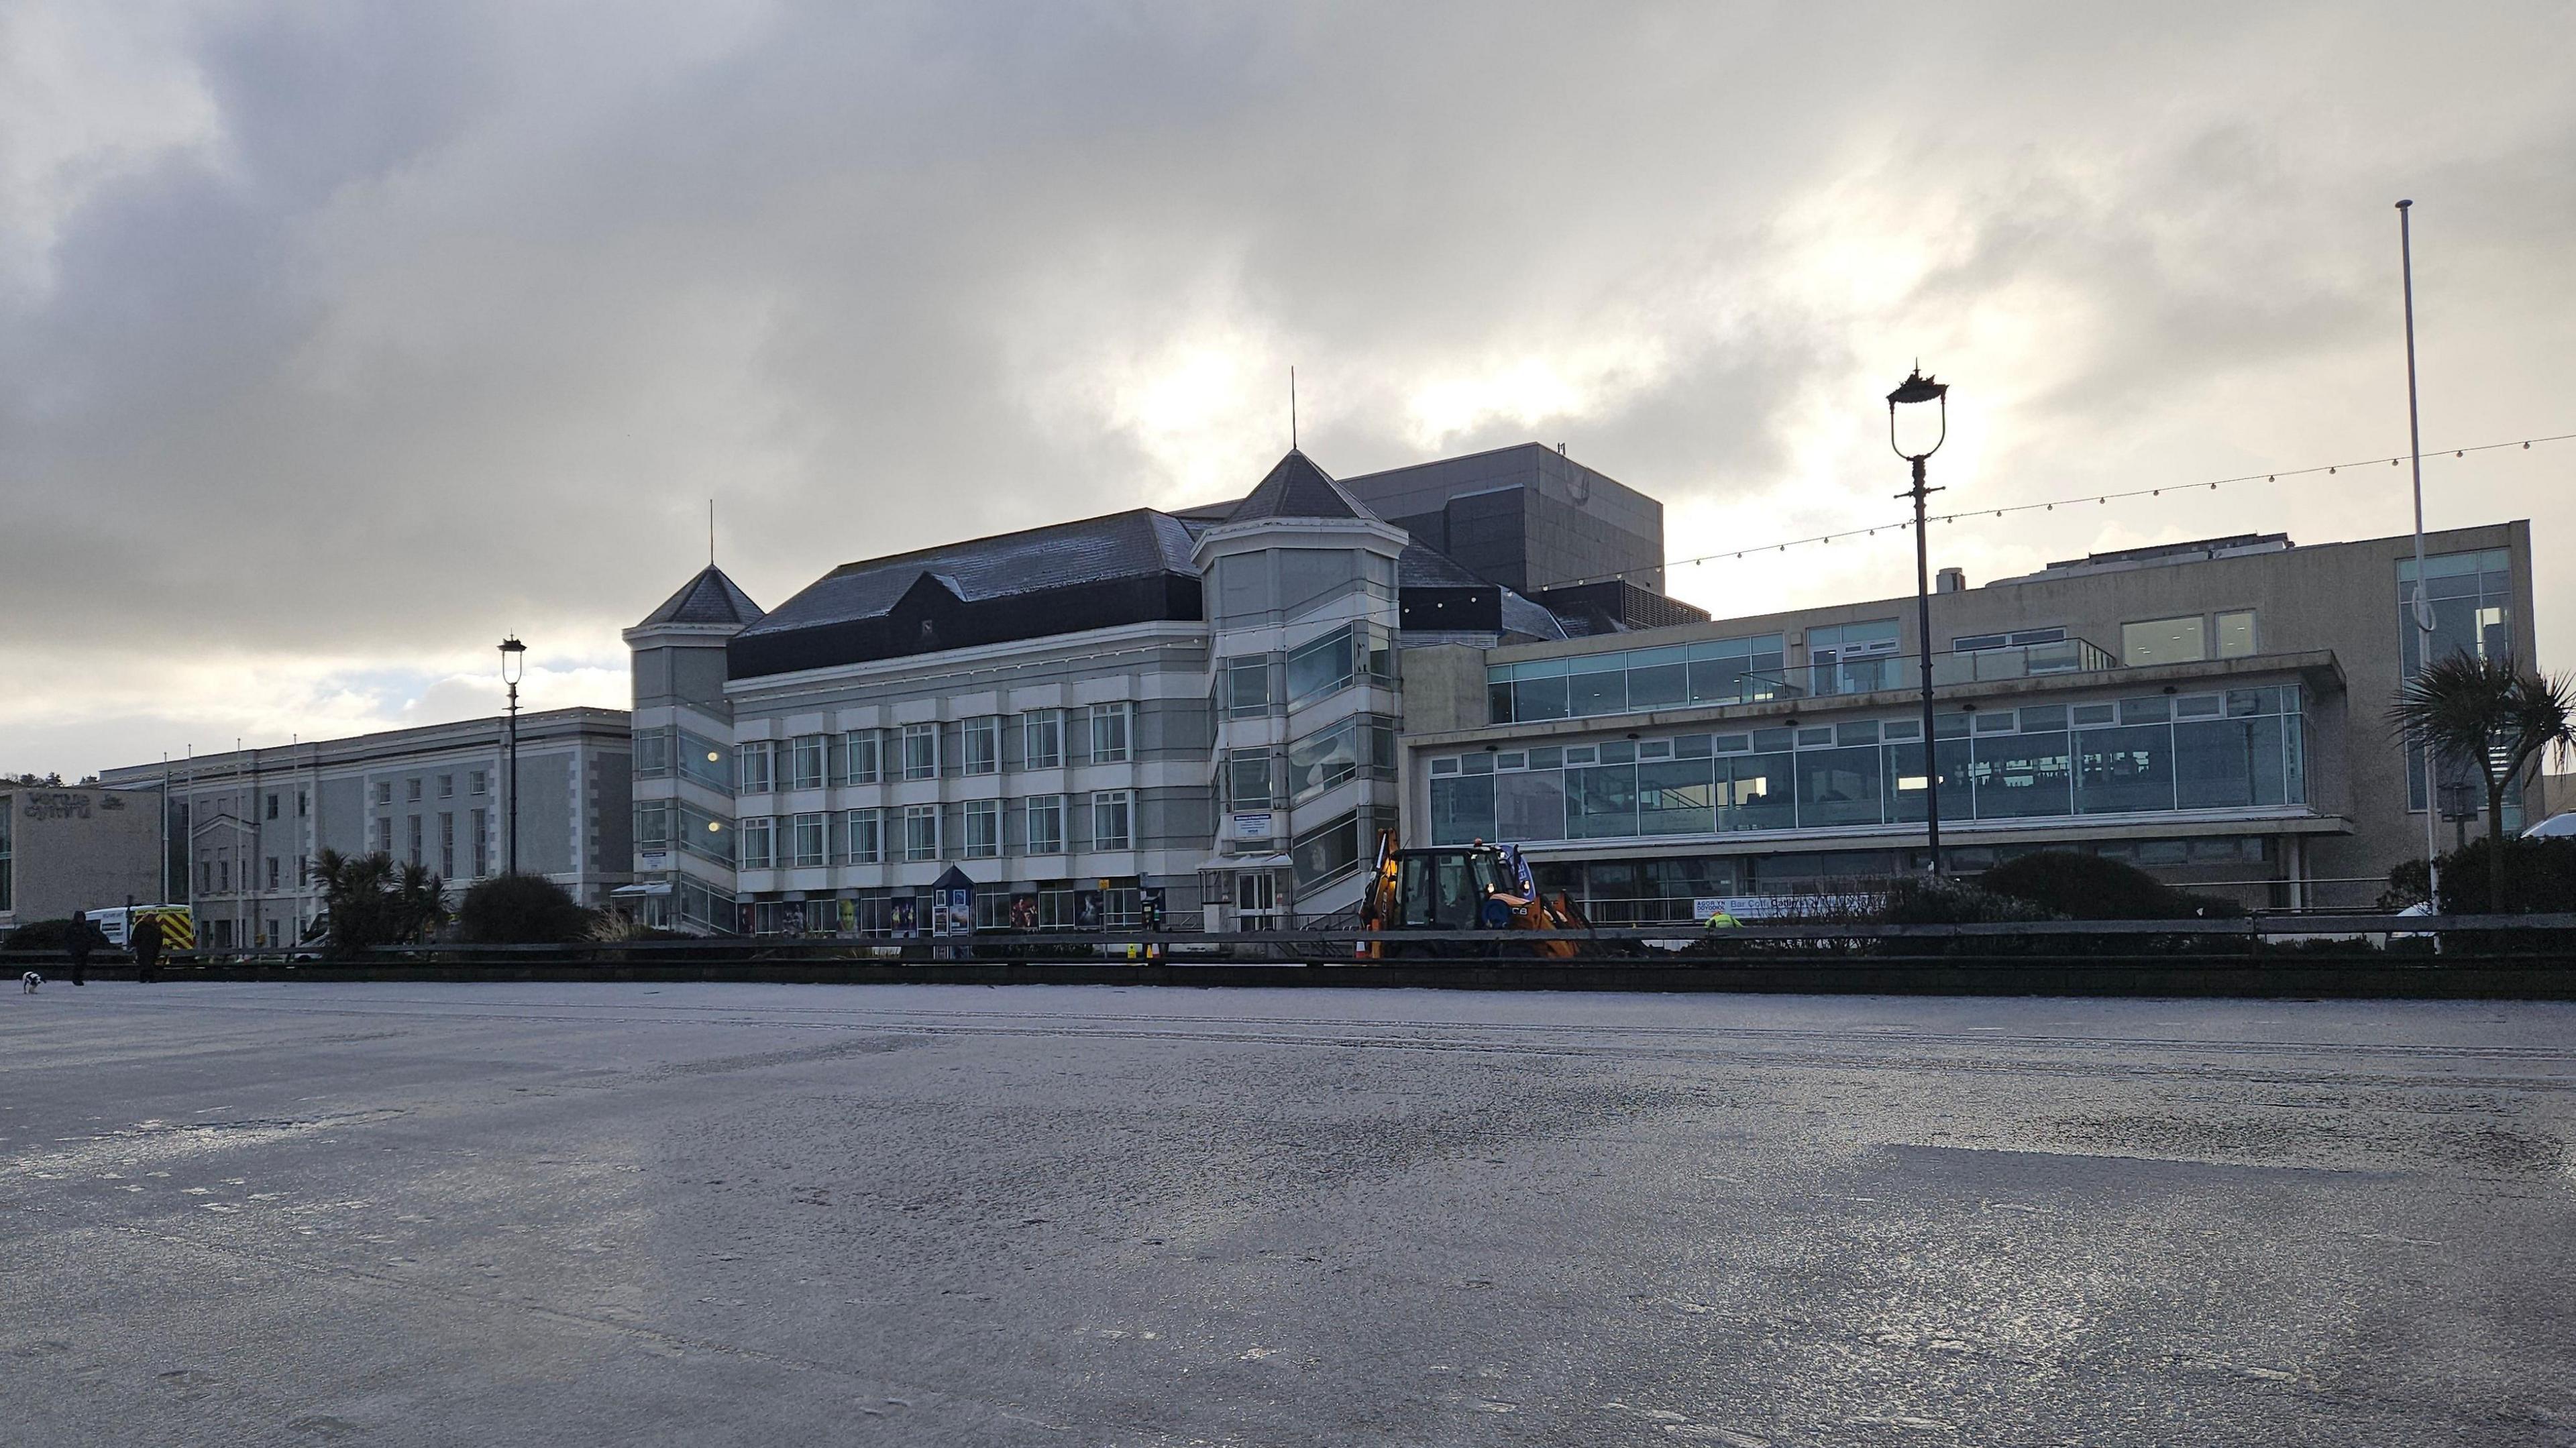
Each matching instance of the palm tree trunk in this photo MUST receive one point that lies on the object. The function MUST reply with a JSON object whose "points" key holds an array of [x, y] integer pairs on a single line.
{"points": [[2495, 845]]}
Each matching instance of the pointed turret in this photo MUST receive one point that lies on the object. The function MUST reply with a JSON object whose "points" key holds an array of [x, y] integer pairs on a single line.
{"points": [[709, 598], [1296, 488]]}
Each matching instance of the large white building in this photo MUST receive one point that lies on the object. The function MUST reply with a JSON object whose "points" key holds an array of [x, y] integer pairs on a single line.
{"points": [[243, 826], [1190, 712]]}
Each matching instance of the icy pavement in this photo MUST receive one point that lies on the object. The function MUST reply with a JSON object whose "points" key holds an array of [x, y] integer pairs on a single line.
{"points": [[776, 1215]]}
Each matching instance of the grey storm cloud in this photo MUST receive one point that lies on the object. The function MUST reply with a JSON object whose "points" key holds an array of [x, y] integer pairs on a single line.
{"points": [[337, 340]]}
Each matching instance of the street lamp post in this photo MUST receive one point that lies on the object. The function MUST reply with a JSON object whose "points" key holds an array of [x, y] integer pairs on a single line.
{"points": [[1915, 390], [513, 663]]}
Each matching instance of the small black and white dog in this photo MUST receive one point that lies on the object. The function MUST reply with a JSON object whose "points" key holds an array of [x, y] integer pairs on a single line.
{"points": [[27, 983]]}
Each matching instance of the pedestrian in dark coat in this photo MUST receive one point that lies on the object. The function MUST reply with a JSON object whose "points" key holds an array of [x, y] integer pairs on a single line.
{"points": [[76, 943], [147, 949]]}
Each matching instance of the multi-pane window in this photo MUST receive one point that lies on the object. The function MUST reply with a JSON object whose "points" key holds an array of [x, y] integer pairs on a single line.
{"points": [[703, 760], [805, 762], [1043, 738], [303, 803], [410, 834], [411, 790], [1360, 744], [983, 829], [1245, 686], [2469, 597], [921, 751], [921, 832], [480, 782], [652, 753], [2238, 748], [446, 850], [273, 872], [867, 836], [652, 826], [1111, 725], [482, 829], [272, 806], [1046, 824], [806, 846], [863, 756], [446, 790], [384, 791], [751, 766], [1248, 775], [1113, 823], [1851, 658], [982, 742], [1356, 654], [757, 835]]}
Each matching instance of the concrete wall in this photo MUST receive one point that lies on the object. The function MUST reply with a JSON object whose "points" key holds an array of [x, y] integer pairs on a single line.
{"points": [[79, 848], [1524, 516]]}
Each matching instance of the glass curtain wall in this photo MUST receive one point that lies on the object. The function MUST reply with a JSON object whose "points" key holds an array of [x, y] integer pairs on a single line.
{"points": [[2240, 749], [1718, 671]]}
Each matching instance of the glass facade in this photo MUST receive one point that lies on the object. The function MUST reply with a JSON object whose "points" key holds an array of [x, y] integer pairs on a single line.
{"points": [[1719, 671], [2240, 749], [2471, 599]]}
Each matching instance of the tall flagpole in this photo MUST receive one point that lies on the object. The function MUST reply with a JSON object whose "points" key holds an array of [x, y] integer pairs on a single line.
{"points": [[2423, 609]]}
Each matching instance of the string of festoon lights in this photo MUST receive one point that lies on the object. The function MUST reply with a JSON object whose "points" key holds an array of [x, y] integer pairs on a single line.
{"points": [[2050, 505]]}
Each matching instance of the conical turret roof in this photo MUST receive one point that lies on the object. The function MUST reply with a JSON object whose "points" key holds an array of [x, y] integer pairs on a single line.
{"points": [[708, 598], [1296, 488]]}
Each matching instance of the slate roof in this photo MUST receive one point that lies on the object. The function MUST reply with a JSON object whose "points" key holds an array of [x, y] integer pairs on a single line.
{"points": [[1296, 488], [1138, 543], [708, 598], [1423, 566]]}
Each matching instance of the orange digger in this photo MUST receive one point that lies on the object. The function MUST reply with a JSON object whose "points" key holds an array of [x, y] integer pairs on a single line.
{"points": [[1476, 886]]}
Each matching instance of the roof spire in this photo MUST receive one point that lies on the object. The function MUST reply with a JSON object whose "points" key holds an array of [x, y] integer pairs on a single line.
{"points": [[1292, 407]]}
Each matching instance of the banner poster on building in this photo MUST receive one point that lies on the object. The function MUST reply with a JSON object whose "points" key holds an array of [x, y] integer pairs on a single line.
{"points": [[1149, 907], [849, 917], [1087, 907], [1024, 912], [900, 915], [743, 926], [961, 911], [793, 919]]}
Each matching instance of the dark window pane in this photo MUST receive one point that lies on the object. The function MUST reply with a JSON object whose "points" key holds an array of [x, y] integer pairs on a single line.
{"points": [[1601, 693], [1538, 698], [1717, 681], [1462, 809], [1838, 787], [1529, 806], [1601, 802], [1761, 794], [1676, 797], [2021, 775], [2120, 770], [1656, 687]]}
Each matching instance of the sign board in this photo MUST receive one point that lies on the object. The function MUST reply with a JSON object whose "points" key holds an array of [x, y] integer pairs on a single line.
{"points": [[1255, 825], [1149, 906]]}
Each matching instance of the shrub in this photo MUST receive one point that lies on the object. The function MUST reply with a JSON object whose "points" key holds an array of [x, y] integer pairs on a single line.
{"points": [[1916, 900], [41, 935], [2539, 875], [521, 910], [2088, 887]]}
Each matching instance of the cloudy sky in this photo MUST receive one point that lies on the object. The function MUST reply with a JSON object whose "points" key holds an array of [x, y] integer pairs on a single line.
{"points": [[337, 340]]}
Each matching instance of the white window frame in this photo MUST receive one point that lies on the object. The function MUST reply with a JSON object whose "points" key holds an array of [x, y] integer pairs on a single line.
{"points": [[1050, 807], [1123, 803], [809, 828], [866, 825], [980, 741], [751, 768], [983, 817], [1113, 733], [863, 756], [915, 849], [927, 735], [806, 766], [759, 836], [1047, 725]]}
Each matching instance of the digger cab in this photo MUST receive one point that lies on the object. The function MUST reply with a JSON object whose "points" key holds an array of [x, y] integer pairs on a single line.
{"points": [[1447, 889]]}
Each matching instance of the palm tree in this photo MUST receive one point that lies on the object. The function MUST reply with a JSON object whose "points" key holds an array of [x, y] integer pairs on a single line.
{"points": [[371, 901], [2489, 712]]}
